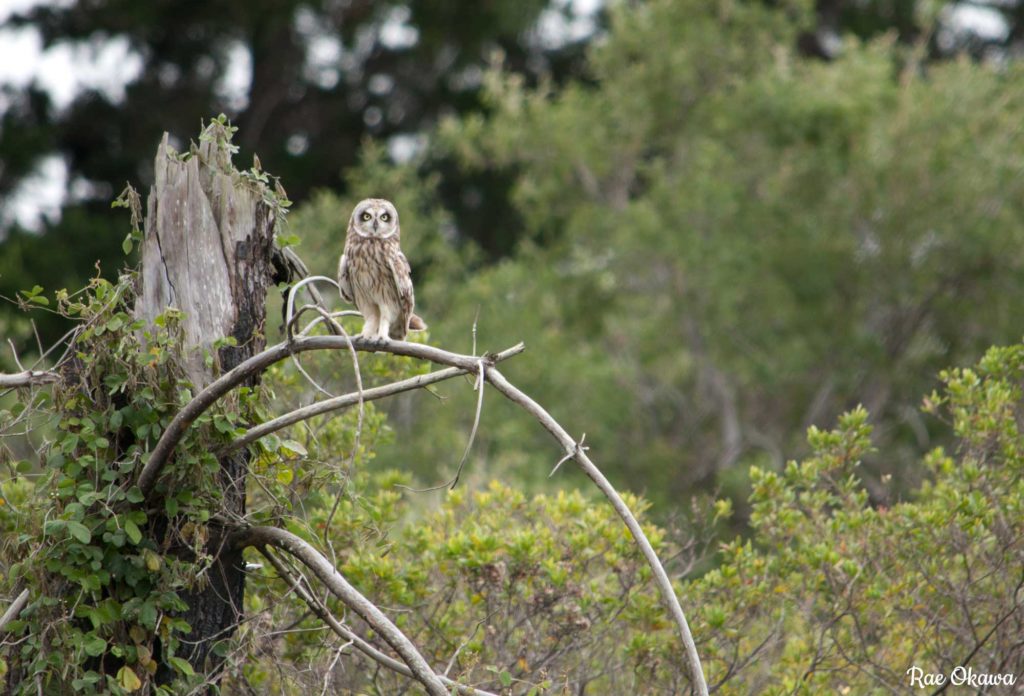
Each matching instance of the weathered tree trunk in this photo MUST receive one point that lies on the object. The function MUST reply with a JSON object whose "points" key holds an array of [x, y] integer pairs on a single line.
{"points": [[207, 249]]}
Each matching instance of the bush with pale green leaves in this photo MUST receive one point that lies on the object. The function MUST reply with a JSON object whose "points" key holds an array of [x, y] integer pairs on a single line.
{"points": [[546, 593]]}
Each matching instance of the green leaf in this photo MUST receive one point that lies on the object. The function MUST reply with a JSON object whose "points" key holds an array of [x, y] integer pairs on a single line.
{"points": [[94, 645], [181, 665], [128, 680], [147, 615], [52, 527], [79, 531], [88, 679], [293, 447], [126, 245], [133, 532]]}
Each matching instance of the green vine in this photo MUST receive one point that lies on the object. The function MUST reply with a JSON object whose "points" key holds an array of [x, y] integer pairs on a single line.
{"points": [[106, 566]]}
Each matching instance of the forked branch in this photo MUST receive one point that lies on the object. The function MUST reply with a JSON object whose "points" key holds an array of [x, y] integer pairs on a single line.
{"points": [[463, 363]]}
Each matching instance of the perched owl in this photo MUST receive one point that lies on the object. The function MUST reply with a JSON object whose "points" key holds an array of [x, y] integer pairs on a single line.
{"points": [[374, 275]]}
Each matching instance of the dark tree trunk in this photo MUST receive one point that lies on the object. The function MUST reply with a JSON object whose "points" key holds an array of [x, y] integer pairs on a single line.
{"points": [[207, 250]]}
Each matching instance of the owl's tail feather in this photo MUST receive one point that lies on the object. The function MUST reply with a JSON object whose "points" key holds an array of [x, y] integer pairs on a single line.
{"points": [[416, 323]]}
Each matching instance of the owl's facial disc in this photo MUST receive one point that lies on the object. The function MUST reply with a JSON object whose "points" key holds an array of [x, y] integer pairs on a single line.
{"points": [[375, 218]]}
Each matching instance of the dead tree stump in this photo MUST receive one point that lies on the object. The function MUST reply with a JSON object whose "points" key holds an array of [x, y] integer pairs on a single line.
{"points": [[207, 252]]}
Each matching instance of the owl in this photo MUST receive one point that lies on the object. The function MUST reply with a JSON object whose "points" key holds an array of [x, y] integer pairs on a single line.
{"points": [[374, 275]]}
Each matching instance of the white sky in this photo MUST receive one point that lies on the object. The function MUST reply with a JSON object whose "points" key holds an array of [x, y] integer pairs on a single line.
{"points": [[555, 30]]}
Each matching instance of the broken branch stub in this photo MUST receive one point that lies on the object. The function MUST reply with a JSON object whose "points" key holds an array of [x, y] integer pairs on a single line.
{"points": [[206, 251]]}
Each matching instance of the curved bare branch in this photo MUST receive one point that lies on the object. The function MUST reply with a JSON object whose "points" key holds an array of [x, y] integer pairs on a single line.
{"points": [[466, 363], [300, 549], [317, 607], [12, 611], [346, 400], [27, 378], [578, 453], [261, 361]]}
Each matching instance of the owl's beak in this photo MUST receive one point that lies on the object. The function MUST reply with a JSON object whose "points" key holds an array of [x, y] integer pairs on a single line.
{"points": [[375, 225]]}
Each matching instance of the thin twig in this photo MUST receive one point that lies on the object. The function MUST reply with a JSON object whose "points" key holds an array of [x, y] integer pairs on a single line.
{"points": [[35, 332], [339, 329], [577, 448], [357, 437], [291, 317], [335, 327], [465, 642], [332, 316], [302, 370], [476, 318], [480, 384], [300, 268], [327, 673], [290, 304], [14, 352], [469, 444]]}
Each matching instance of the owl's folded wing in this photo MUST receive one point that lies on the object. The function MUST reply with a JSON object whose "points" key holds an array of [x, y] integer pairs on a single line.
{"points": [[344, 285], [402, 274]]}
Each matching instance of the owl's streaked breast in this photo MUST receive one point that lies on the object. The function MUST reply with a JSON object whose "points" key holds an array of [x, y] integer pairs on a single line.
{"points": [[370, 271]]}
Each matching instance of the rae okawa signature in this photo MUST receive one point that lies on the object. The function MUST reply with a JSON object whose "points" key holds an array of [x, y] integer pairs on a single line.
{"points": [[960, 676]]}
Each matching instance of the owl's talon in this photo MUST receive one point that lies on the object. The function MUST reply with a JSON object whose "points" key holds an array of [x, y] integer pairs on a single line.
{"points": [[373, 341]]}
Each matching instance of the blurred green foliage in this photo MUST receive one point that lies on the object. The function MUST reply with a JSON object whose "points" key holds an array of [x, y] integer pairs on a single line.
{"points": [[722, 244]]}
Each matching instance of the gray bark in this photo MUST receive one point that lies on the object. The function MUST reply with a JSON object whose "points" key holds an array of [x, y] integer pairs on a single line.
{"points": [[26, 378], [207, 250]]}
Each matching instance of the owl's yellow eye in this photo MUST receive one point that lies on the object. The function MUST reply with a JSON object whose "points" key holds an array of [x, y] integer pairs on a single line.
{"points": [[384, 217], [367, 217]]}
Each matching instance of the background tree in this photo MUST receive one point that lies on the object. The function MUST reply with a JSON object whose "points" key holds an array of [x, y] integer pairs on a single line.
{"points": [[737, 241], [309, 82]]}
